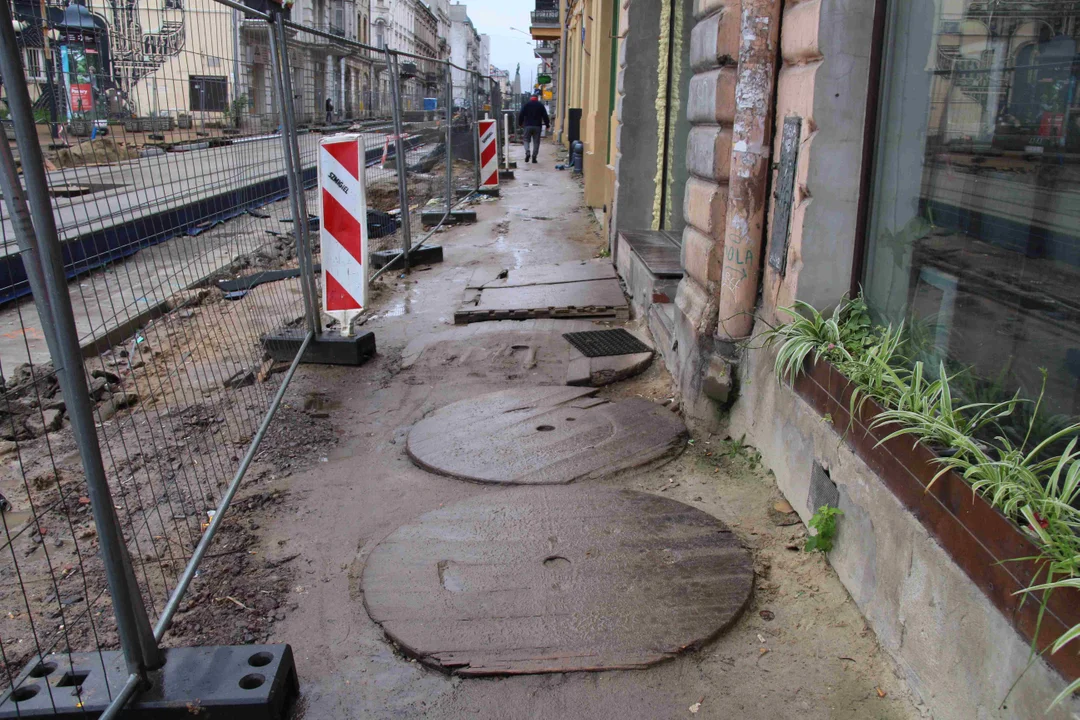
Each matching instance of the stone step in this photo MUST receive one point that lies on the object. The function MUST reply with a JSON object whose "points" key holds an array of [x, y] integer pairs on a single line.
{"points": [[662, 327]]}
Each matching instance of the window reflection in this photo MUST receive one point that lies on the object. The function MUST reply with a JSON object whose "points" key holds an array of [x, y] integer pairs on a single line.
{"points": [[975, 222]]}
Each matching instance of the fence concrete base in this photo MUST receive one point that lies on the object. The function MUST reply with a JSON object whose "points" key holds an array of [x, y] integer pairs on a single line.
{"points": [[329, 348], [245, 682], [425, 255], [457, 217]]}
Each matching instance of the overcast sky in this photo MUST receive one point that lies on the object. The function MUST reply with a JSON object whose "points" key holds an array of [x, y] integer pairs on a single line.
{"points": [[508, 47]]}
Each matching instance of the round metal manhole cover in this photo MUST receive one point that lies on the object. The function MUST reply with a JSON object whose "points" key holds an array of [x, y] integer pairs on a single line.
{"points": [[557, 579], [543, 436]]}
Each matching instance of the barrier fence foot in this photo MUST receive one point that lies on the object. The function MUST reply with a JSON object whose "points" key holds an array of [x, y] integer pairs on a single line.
{"points": [[431, 218], [425, 255], [241, 682], [506, 174], [329, 348], [490, 191]]}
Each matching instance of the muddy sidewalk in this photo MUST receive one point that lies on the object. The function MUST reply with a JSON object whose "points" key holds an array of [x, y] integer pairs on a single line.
{"points": [[801, 649]]}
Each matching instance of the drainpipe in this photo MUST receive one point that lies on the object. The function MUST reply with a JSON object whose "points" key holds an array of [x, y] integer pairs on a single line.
{"points": [[750, 152]]}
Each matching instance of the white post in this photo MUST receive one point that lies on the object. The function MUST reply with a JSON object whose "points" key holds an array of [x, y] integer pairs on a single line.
{"points": [[506, 139]]}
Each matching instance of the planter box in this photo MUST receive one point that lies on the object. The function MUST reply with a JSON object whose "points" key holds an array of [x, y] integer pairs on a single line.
{"points": [[161, 124], [982, 541], [183, 122]]}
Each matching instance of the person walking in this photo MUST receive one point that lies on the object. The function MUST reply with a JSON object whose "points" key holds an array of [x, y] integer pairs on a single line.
{"points": [[329, 111], [532, 117]]}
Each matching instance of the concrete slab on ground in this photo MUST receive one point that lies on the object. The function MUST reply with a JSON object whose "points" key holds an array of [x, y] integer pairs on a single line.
{"points": [[553, 580], [586, 299], [533, 351], [543, 435], [554, 274]]}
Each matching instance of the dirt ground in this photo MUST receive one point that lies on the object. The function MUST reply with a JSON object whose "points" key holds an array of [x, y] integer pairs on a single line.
{"points": [[332, 479], [176, 407]]}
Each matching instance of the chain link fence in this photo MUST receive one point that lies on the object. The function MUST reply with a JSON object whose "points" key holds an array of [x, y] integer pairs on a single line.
{"points": [[156, 231]]}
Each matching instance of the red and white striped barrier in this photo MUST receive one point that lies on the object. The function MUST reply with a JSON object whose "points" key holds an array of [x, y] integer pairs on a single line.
{"points": [[386, 146], [489, 160], [343, 227]]}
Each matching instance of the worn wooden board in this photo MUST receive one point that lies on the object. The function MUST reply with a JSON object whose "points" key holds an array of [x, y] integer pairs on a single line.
{"points": [[658, 249], [557, 579], [543, 435]]}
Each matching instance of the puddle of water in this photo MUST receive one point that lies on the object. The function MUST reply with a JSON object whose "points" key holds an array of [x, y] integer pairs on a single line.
{"points": [[518, 253], [404, 305]]}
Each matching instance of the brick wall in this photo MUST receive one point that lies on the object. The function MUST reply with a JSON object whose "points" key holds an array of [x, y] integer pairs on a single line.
{"points": [[714, 47]]}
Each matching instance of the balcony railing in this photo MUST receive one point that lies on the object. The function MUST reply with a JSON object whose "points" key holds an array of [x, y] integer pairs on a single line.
{"points": [[545, 18], [546, 48]]}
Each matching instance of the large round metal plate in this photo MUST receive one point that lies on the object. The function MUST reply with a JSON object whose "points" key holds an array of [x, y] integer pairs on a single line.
{"points": [[556, 579], [543, 435]]}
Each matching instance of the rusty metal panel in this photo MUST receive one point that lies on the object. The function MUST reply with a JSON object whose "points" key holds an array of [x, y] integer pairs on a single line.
{"points": [[785, 193]]}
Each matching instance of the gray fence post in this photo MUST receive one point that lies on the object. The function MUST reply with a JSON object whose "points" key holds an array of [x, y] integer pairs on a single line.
{"points": [[42, 254], [449, 141], [294, 171], [475, 129], [402, 164]]}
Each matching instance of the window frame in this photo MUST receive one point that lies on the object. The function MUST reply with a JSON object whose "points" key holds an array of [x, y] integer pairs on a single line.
{"points": [[218, 81], [871, 127]]}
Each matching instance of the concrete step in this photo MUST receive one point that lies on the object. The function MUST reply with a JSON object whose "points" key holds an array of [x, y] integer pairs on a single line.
{"points": [[662, 327], [649, 263]]}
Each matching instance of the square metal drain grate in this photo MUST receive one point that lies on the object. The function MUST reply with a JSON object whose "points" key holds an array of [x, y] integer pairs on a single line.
{"points": [[601, 343]]}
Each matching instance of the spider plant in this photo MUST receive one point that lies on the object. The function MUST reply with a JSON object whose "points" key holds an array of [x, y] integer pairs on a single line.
{"points": [[928, 411], [1017, 476], [1030, 467], [872, 374], [809, 332], [1055, 520]]}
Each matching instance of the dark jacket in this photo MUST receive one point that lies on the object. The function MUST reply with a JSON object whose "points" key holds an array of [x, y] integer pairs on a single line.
{"points": [[533, 114]]}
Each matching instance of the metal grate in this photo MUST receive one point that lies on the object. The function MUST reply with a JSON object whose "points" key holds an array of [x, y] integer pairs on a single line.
{"points": [[601, 343], [823, 490]]}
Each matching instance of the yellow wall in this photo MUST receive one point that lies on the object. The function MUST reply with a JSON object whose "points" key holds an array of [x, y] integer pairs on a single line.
{"points": [[587, 85]]}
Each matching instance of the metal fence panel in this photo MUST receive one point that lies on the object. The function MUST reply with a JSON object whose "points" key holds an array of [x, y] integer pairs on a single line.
{"points": [[165, 176], [180, 170]]}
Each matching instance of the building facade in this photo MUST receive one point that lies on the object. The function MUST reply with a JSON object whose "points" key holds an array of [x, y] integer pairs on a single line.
{"points": [[97, 63], [483, 61], [410, 26], [748, 155], [464, 52], [546, 28], [502, 79]]}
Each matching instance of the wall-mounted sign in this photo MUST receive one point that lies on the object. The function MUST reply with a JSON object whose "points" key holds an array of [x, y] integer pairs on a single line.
{"points": [[543, 79]]}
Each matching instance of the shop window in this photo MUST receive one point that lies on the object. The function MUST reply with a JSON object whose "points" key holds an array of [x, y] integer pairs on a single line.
{"points": [[208, 93], [974, 236]]}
